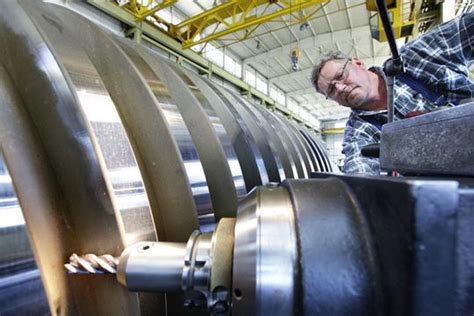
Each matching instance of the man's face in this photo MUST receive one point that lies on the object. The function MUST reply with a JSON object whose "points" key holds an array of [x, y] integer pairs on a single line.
{"points": [[346, 82]]}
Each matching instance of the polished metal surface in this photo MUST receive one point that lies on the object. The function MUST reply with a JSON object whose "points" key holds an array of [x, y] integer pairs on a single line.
{"points": [[201, 269], [192, 164], [298, 148], [272, 136], [322, 152], [152, 266], [300, 143], [287, 142], [265, 254], [21, 289], [113, 145], [306, 146], [264, 143], [219, 128], [92, 264], [58, 176], [108, 144], [213, 153], [177, 125], [174, 193], [249, 157], [318, 150], [197, 267]]}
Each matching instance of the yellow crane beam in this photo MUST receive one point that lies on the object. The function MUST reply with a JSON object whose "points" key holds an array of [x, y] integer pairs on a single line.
{"points": [[140, 10], [332, 131], [402, 15], [235, 15]]}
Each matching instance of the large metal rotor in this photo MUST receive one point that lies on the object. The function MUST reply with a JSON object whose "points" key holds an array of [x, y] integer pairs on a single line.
{"points": [[107, 144]]}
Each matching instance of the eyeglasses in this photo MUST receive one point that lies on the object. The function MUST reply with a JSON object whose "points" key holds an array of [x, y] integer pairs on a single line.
{"points": [[338, 78]]}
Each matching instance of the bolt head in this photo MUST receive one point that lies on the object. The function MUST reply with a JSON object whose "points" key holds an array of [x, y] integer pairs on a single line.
{"points": [[220, 307]]}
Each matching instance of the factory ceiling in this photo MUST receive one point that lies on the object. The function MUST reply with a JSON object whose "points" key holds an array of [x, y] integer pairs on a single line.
{"points": [[263, 35]]}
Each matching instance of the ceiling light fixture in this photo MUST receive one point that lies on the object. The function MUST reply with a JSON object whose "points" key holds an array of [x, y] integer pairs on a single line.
{"points": [[304, 26]]}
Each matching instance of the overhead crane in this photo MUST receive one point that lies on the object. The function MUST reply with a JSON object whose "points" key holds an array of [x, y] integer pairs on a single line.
{"points": [[402, 15], [141, 11], [238, 15], [234, 16]]}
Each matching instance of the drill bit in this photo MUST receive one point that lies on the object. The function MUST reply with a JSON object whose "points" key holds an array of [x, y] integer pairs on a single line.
{"points": [[90, 263]]}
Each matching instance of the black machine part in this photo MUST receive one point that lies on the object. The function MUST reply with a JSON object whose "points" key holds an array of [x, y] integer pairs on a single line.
{"points": [[394, 65], [384, 247], [436, 143], [371, 151], [364, 246]]}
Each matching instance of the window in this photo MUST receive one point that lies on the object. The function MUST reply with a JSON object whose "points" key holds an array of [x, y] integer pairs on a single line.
{"points": [[277, 94], [304, 113], [214, 55], [229, 64], [339, 124], [292, 105], [262, 86], [232, 66], [250, 78], [238, 70], [166, 15], [198, 48], [169, 17], [273, 92], [280, 97]]}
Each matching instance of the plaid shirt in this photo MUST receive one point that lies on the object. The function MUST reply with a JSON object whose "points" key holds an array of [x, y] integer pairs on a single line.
{"points": [[440, 59]]}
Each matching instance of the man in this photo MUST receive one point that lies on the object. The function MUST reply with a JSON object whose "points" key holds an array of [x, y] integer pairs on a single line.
{"points": [[438, 59]]}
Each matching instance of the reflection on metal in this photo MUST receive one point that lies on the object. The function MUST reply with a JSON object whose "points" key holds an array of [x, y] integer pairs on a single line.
{"points": [[265, 254], [21, 289], [201, 268], [402, 15], [91, 263], [108, 144]]}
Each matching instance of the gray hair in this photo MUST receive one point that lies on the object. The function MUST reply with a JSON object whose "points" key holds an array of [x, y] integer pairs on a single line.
{"points": [[332, 55]]}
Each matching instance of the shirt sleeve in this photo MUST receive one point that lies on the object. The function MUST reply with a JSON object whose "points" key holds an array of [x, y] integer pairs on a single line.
{"points": [[357, 134], [440, 58]]}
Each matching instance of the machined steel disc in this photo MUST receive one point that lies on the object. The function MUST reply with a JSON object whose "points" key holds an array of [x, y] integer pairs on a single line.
{"points": [[105, 143]]}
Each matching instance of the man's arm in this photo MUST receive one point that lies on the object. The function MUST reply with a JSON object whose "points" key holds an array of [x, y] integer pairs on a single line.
{"points": [[358, 134], [440, 58]]}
